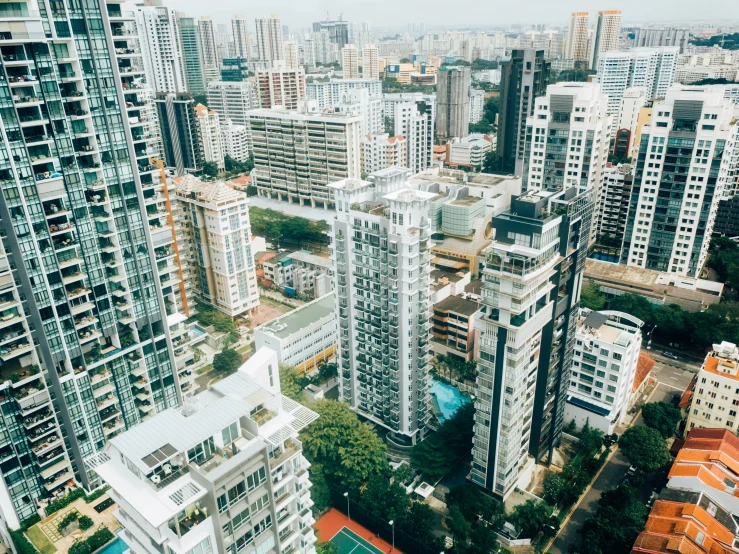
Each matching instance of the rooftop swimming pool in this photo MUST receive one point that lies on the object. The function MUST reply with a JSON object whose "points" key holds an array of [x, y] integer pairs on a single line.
{"points": [[118, 546], [196, 332], [446, 399]]}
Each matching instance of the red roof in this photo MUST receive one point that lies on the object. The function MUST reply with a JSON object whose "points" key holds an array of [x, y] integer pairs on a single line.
{"points": [[643, 367]]}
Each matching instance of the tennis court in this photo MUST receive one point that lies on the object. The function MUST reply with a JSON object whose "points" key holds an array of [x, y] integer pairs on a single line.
{"points": [[348, 542]]}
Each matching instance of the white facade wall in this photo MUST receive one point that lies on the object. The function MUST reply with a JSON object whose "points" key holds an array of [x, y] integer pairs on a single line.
{"points": [[477, 105], [231, 100], [235, 140], [159, 35], [327, 95]]}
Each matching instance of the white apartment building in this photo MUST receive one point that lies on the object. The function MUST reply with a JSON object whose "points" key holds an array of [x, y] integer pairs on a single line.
{"points": [[577, 38], [350, 62], [607, 346], [235, 140], [358, 101], [209, 129], [208, 46], [232, 99], [607, 33], [240, 32], [292, 54], [477, 105], [383, 151], [288, 166], [470, 150], [686, 156], [382, 298], [370, 62], [224, 473], [304, 337], [328, 94], [632, 102], [159, 36], [313, 276], [217, 218], [714, 403], [414, 116], [279, 86], [269, 40], [570, 121], [652, 69]]}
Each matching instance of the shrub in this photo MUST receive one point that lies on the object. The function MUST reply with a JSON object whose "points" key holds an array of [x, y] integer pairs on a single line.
{"points": [[95, 495], [85, 522], [67, 521], [64, 501], [93, 542], [21, 543]]}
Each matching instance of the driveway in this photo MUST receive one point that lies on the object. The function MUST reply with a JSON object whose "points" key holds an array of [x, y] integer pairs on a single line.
{"points": [[611, 476]]}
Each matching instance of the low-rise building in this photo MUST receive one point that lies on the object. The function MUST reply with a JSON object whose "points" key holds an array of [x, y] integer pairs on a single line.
{"points": [[469, 151], [715, 399], [223, 473], [607, 346], [278, 269], [453, 331], [313, 276], [304, 337], [692, 295]]}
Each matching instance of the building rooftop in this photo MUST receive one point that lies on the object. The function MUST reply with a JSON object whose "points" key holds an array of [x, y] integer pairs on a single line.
{"points": [[648, 278], [310, 258], [723, 361], [409, 195], [214, 193], [300, 318], [458, 305]]}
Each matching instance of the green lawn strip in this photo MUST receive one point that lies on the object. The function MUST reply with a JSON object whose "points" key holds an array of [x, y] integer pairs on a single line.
{"points": [[40, 540]]}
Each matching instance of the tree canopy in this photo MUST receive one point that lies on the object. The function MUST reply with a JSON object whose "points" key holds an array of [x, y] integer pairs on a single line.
{"points": [[207, 315], [533, 516], [661, 416], [278, 227], [440, 452], [349, 451], [591, 297], [226, 361], [210, 169], [644, 447], [727, 42], [235, 166]]}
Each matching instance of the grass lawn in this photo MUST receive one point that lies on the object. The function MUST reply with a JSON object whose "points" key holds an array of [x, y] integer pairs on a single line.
{"points": [[40, 541], [204, 369]]}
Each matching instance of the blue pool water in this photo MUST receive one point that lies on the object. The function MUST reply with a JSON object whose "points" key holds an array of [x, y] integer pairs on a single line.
{"points": [[446, 398], [197, 331], [115, 547]]}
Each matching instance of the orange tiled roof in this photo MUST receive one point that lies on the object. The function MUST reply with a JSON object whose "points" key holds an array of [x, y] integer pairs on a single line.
{"points": [[710, 455], [674, 527], [643, 367]]}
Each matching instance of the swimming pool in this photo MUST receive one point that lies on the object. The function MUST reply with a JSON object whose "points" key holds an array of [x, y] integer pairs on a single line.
{"points": [[196, 332], [118, 546], [446, 399]]}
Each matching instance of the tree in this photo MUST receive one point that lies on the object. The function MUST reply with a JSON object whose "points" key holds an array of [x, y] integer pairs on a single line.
{"points": [[492, 163], [491, 109], [226, 361], [200, 99], [417, 521], [210, 169], [644, 447], [440, 452], [350, 451], [389, 126], [389, 500], [459, 526], [326, 548], [474, 504], [591, 439], [554, 487], [319, 492], [633, 304], [591, 297], [615, 525], [290, 385], [661, 416], [530, 516], [404, 474]]}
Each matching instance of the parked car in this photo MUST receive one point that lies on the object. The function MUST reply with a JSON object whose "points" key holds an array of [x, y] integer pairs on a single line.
{"points": [[676, 398], [632, 470], [670, 355]]}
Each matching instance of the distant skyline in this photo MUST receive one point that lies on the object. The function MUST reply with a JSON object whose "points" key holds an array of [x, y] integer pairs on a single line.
{"points": [[298, 14]]}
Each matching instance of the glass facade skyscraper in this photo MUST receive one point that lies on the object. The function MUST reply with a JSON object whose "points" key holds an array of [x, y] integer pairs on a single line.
{"points": [[86, 336]]}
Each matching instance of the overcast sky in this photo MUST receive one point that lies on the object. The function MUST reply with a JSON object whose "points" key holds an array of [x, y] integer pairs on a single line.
{"points": [[486, 13]]}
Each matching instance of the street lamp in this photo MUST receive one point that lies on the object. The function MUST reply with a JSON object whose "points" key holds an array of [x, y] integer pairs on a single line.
{"points": [[346, 494], [392, 524], [649, 344]]}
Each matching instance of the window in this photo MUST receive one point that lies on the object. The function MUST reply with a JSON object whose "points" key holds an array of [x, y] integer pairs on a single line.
{"points": [[222, 503], [237, 493], [230, 434], [256, 479]]}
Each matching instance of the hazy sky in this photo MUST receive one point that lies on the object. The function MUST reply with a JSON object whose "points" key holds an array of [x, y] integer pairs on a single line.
{"points": [[384, 13]]}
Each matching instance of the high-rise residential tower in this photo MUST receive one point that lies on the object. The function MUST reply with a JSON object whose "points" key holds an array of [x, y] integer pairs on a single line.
{"points": [[452, 103], [685, 161], [370, 62], [607, 34], [192, 55], [531, 289], [413, 116], [292, 54], [161, 49], [651, 69], [83, 235], [232, 99], [240, 30], [269, 40], [576, 48], [280, 86], [524, 77], [570, 125], [182, 144], [381, 238], [350, 62], [207, 37]]}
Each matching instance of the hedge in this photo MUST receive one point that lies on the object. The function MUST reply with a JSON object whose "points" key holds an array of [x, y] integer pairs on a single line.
{"points": [[71, 496], [67, 520], [85, 522], [22, 544], [93, 542]]}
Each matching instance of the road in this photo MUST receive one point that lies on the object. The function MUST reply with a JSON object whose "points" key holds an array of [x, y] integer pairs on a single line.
{"points": [[670, 380]]}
